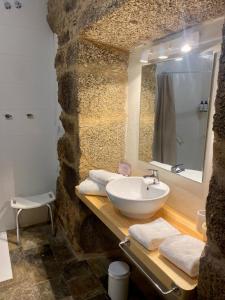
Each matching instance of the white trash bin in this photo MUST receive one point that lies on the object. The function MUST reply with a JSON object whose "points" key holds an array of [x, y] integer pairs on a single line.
{"points": [[118, 280]]}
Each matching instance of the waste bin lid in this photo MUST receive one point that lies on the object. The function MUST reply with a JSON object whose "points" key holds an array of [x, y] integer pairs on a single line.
{"points": [[118, 269]]}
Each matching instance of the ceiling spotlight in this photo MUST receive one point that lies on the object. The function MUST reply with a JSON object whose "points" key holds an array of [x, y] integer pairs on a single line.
{"points": [[186, 48], [179, 59], [163, 57]]}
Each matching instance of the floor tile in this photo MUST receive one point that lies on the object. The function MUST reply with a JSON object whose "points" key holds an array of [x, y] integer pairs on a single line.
{"points": [[99, 266], [75, 269], [17, 292], [46, 268], [52, 289], [41, 264], [61, 251], [85, 287], [19, 269], [100, 297]]}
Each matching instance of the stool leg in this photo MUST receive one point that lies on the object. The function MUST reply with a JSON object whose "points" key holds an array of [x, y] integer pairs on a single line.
{"points": [[17, 226], [51, 217]]}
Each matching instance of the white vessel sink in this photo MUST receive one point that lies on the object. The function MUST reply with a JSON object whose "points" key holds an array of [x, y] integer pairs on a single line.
{"points": [[137, 197]]}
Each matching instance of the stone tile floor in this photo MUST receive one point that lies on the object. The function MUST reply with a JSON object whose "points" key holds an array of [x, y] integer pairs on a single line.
{"points": [[45, 268]]}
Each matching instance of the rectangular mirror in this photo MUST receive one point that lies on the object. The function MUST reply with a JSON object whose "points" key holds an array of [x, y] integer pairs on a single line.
{"points": [[174, 111]]}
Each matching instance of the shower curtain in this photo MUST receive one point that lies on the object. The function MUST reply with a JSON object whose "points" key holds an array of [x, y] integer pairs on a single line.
{"points": [[164, 141]]}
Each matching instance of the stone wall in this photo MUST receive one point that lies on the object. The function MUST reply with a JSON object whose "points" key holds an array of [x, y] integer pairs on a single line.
{"points": [[212, 267], [92, 93], [91, 64], [132, 22], [147, 112]]}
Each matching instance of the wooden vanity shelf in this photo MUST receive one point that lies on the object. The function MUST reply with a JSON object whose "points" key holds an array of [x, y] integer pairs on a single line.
{"points": [[167, 273]]}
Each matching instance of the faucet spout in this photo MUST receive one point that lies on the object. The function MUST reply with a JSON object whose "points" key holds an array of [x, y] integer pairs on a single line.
{"points": [[154, 176]]}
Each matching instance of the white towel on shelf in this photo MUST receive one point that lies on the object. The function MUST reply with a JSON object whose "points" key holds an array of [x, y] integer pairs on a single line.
{"points": [[103, 177], [90, 187], [184, 252], [151, 235]]}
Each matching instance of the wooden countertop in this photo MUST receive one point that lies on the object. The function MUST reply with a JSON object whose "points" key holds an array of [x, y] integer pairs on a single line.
{"points": [[152, 260]]}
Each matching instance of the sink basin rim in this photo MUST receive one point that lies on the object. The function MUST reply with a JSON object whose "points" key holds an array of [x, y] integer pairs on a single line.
{"points": [[167, 190]]}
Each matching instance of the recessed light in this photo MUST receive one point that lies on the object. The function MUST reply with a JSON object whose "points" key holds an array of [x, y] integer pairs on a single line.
{"points": [[143, 61], [163, 57], [144, 57], [179, 59], [186, 48]]}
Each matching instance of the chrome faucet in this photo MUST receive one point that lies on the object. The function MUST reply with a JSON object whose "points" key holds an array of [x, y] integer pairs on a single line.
{"points": [[154, 174], [177, 168]]}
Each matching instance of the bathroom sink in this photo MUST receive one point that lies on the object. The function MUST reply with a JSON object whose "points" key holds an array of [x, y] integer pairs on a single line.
{"points": [[137, 197]]}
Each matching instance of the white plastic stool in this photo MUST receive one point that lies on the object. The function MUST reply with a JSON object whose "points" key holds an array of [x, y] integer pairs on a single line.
{"points": [[20, 204], [118, 280]]}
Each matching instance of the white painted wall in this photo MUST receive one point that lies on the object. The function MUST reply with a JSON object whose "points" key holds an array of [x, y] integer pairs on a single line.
{"points": [[187, 196], [28, 158]]}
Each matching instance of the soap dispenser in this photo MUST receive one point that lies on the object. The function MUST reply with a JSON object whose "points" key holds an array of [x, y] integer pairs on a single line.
{"points": [[201, 106], [205, 106]]}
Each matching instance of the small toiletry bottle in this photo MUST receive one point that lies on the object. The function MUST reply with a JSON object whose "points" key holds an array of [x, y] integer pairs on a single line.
{"points": [[201, 106], [206, 106]]}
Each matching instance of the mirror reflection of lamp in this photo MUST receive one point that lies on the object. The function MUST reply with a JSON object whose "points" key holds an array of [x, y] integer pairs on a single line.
{"points": [[145, 56], [186, 48], [163, 57]]}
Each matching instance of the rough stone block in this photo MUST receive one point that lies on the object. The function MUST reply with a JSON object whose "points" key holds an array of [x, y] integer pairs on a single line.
{"points": [[66, 150], [102, 146], [215, 212], [69, 123], [67, 93], [99, 55], [95, 10], [219, 160], [219, 117], [95, 236], [211, 279], [102, 92], [71, 54], [70, 5], [59, 59], [63, 38], [68, 214], [142, 20], [70, 179]]}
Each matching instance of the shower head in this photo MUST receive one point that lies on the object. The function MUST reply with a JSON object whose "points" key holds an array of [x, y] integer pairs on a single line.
{"points": [[7, 5], [18, 4]]}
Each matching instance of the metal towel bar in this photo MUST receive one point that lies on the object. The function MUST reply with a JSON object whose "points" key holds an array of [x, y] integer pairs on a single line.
{"points": [[126, 243]]}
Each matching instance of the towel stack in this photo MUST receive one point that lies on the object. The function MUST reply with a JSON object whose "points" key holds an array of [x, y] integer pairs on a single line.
{"points": [[96, 182], [182, 250], [151, 235]]}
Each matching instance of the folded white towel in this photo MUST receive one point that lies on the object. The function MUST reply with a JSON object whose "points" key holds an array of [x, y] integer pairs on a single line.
{"points": [[103, 177], [90, 187], [152, 234], [183, 251]]}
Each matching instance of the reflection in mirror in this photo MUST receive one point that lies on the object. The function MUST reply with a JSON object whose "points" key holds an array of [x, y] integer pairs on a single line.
{"points": [[175, 101]]}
